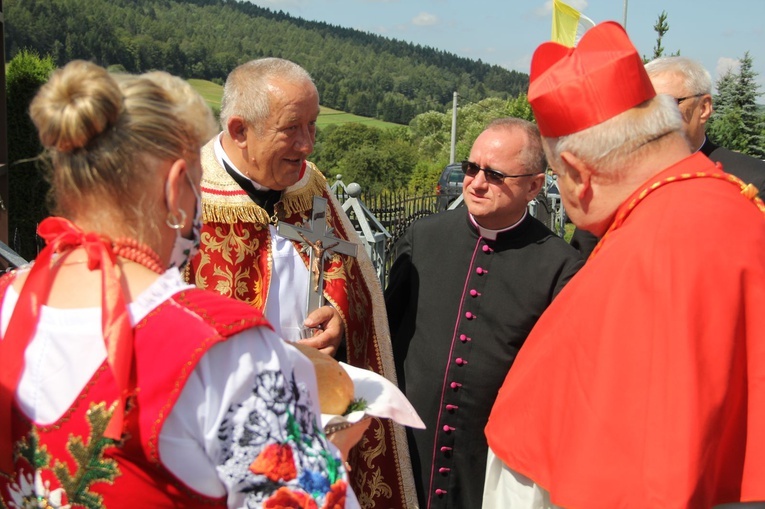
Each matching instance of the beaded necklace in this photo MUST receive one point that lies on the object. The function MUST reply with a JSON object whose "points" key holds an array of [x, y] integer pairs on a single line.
{"points": [[130, 249]]}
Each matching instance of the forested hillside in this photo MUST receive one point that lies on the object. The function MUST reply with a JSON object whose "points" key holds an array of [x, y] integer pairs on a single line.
{"points": [[355, 71]]}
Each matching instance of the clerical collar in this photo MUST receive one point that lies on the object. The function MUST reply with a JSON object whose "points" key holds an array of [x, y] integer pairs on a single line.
{"points": [[261, 195], [492, 234]]}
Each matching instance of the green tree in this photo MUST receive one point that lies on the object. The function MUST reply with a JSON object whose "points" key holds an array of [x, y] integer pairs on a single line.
{"points": [[431, 134], [374, 158], [737, 123], [746, 94], [25, 73], [378, 169], [425, 176], [335, 141], [661, 27], [354, 71], [520, 108], [431, 131]]}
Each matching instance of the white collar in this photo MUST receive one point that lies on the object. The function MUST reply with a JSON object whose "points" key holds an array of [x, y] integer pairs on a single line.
{"points": [[492, 234]]}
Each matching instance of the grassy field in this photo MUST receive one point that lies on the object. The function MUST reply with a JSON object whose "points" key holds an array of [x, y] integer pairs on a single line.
{"points": [[210, 91], [212, 94]]}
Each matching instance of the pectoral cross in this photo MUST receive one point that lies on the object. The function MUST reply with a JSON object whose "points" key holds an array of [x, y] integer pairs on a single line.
{"points": [[317, 235]]}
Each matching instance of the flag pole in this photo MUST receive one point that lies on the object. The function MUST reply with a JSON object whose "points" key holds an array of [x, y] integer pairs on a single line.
{"points": [[625, 15]]}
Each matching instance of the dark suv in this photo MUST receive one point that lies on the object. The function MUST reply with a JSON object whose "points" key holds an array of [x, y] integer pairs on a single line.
{"points": [[449, 186]]}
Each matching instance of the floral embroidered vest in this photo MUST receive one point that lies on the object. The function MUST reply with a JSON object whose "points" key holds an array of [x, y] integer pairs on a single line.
{"points": [[70, 464]]}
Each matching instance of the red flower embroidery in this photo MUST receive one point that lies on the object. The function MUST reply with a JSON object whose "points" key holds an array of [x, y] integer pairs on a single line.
{"points": [[285, 498], [276, 463], [336, 496]]}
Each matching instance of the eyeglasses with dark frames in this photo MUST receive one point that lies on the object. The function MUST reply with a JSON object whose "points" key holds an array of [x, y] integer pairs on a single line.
{"points": [[492, 176], [681, 99]]}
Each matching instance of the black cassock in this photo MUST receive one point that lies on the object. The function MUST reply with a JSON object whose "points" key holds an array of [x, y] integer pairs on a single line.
{"points": [[459, 307]]}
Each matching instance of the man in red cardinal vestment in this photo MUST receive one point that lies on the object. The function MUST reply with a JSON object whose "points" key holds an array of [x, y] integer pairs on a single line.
{"points": [[255, 176], [643, 384]]}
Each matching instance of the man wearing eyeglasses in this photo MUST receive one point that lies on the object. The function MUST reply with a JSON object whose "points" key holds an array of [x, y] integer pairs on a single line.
{"points": [[466, 288], [691, 86]]}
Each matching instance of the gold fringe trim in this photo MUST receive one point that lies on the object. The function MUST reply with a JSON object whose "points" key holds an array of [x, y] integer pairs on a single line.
{"points": [[301, 200], [296, 199], [214, 213]]}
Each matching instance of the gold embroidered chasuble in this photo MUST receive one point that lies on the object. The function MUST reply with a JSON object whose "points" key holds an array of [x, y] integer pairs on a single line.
{"points": [[235, 260]]}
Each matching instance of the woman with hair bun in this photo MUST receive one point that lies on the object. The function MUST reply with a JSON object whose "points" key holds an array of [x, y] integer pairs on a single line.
{"points": [[120, 385]]}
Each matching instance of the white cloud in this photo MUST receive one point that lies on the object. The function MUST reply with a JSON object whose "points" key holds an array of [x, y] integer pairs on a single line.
{"points": [[725, 64], [424, 19]]}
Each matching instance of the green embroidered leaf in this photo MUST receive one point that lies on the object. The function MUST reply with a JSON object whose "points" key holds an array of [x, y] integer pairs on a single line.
{"points": [[31, 451], [294, 433], [88, 456], [333, 466]]}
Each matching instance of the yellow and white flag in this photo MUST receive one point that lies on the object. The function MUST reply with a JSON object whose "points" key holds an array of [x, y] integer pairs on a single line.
{"points": [[568, 24]]}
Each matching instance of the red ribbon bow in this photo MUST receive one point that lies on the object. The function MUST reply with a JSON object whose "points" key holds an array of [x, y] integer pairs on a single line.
{"points": [[61, 236]]}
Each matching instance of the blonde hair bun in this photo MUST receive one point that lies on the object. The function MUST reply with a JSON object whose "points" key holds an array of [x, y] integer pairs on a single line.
{"points": [[79, 103]]}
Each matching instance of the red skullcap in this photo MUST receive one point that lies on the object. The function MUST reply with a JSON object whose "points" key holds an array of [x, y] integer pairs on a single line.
{"points": [[572, 89]]}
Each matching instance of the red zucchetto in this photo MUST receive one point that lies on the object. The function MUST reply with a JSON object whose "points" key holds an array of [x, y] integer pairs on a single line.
{"points": [[572, 89]]}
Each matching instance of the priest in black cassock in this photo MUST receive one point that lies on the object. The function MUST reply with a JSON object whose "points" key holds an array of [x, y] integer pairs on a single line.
{"points": [[466, 288]]}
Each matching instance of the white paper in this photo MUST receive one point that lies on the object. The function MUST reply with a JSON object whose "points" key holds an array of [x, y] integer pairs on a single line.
{"points": [[383, 399]]}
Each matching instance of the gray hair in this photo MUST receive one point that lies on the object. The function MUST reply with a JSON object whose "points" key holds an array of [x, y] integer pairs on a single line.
{"points": [[696, 79], [613, 146], [532, 157], [246, 92]]}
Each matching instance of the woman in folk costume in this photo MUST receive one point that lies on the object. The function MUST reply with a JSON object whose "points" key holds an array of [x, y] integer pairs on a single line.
{"points": [[120, 385]]}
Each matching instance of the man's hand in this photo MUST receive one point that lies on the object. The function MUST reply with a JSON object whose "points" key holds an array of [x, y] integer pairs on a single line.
{"points": [[329, 330]]}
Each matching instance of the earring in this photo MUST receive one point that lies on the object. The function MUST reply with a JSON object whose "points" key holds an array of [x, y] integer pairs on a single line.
{"points": [[174, 223]]}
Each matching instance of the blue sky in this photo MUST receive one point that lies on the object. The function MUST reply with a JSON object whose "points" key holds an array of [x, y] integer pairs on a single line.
{"points": [[506, 32]]}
